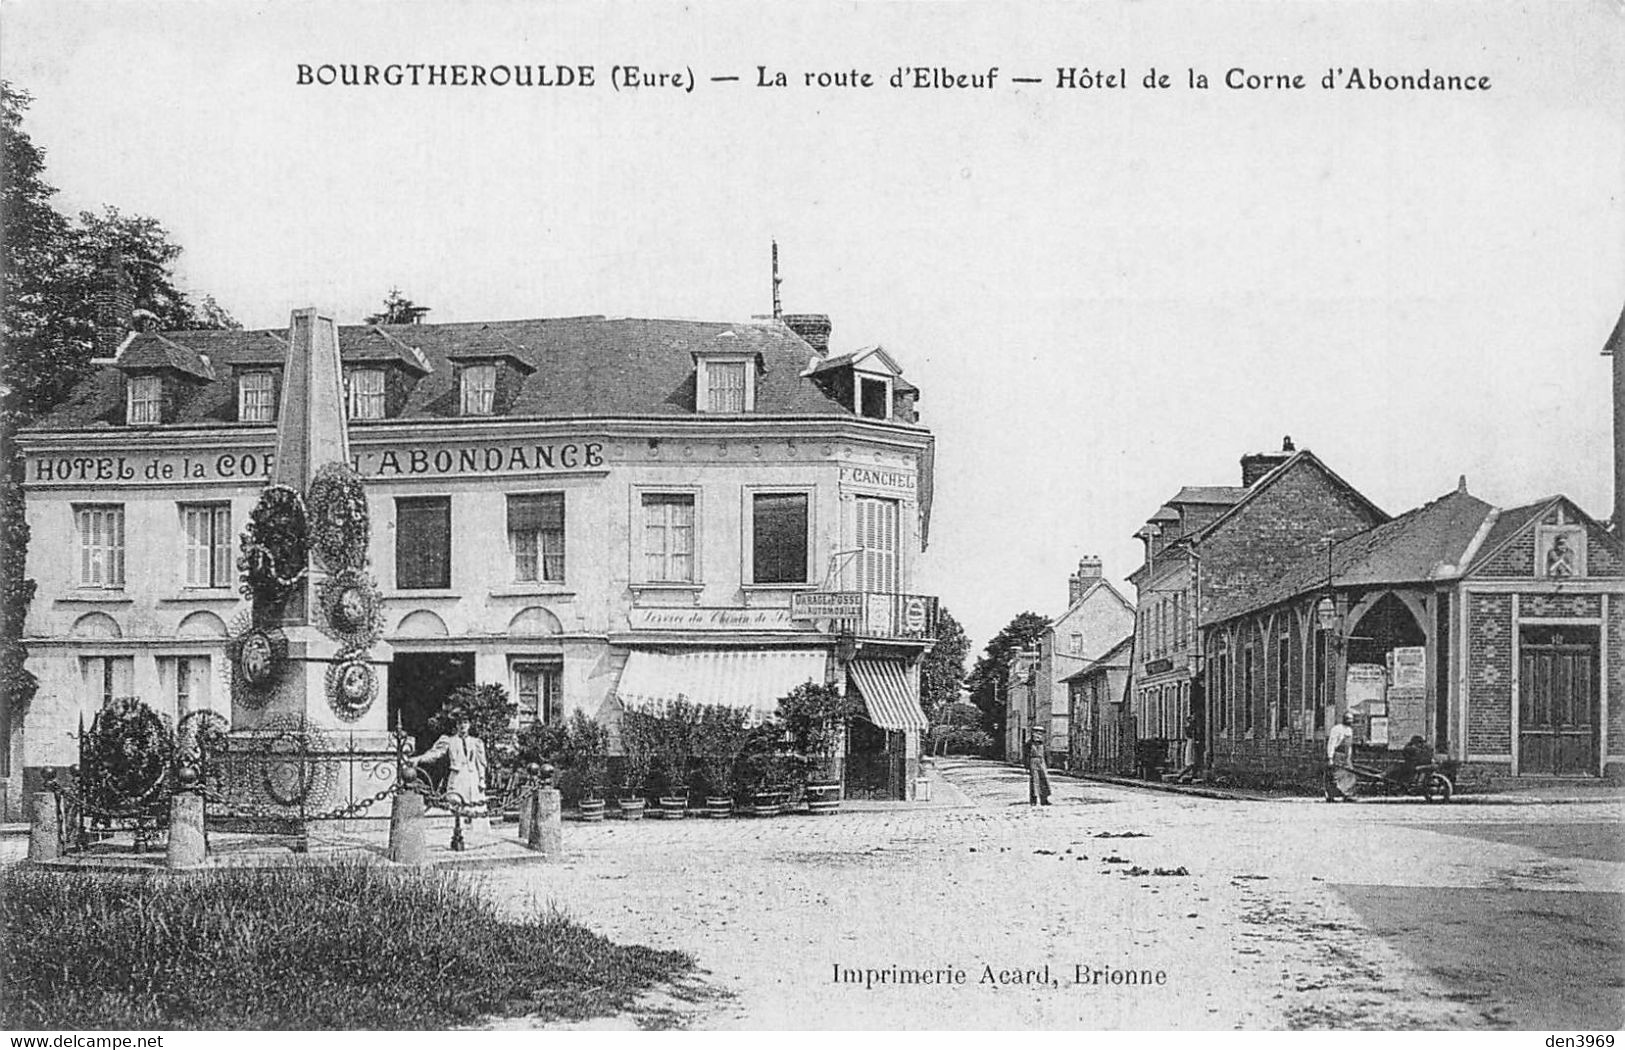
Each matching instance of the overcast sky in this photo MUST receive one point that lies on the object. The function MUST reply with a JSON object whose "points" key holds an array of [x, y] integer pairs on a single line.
{"points": [[1103, 294]]}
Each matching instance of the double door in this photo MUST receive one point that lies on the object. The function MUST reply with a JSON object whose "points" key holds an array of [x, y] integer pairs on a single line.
{"points": [[1559, 701]]}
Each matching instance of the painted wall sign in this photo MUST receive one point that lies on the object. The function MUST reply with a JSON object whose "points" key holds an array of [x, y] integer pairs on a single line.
{"points": [[710, 619], [392, 462], [826, 605], [875, 479]]}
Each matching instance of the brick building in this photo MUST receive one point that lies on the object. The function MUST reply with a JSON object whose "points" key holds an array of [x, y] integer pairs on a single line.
{"points": [[1495, 634], [589, 510]]}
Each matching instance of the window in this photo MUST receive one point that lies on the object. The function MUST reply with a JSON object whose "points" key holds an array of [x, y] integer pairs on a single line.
{"points": [[726, 386], [365, 393], [255, 391], [536, 534], [479, 384], [539, 690], [101, 545], [1320, 680], [146, 400], [106, 678], [779, 537], [1283, 672], [874, 398], [423, 542], [207, 527], [1077, 645], [186, 680], [877, 544], [1250, 679], [668, 537]]}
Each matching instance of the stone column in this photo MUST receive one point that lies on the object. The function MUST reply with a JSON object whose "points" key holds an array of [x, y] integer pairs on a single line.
{"points": [[547, 827], [406, 820], [45, 829], [187, 847]]}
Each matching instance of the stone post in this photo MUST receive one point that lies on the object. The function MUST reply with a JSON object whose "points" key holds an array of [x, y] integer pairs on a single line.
{"points": [[406, 820], [547, 823], [45, 829], [187, 847]]}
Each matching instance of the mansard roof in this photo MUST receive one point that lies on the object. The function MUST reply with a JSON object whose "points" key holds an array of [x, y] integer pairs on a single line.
{"points": [[583, 367]]}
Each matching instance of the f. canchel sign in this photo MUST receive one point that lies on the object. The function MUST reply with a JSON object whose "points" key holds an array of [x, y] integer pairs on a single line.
{"points": [[77, 468]]}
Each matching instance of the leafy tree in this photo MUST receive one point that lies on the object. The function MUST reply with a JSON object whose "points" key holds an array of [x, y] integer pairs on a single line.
{"points": [[942, 672], [988, 680], [398, 309], [957, 729]]}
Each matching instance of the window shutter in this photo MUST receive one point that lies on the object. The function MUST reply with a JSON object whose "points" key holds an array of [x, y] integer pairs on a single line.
{"points": [[423, 543], [537, 512]]}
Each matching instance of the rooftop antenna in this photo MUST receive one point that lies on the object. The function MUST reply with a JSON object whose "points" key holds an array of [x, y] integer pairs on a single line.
{"points": [[778, 310]]}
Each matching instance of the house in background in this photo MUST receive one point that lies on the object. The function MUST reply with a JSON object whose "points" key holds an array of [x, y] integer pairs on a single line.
{"points": [[1096, 617], [1020, 703], [1100, 728]]}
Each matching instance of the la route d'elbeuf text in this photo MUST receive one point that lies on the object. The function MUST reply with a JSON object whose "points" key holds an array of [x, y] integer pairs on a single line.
{"points": [[989, 975]]}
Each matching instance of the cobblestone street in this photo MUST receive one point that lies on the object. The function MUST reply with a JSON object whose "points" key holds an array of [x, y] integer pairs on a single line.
{"points": [[1269, 915]]}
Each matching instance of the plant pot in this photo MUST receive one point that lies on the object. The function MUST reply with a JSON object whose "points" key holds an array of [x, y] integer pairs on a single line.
{"points": [[672, 807], [632, 808], [767, 803], [591, 810], [718, 806], [823, 799]]}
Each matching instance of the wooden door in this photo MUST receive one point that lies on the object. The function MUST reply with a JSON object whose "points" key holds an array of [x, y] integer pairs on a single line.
{"points": [[1559, 701]]}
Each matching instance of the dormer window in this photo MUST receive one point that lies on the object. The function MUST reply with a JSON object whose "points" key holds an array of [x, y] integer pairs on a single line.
{"points": [[365, 393], [725, 385], [256, 401], [479, 390], [146, 403], [873, 397]]}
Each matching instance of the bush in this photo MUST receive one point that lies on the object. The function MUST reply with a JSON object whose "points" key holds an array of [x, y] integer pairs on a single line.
{"points": [[491, 715], [765, 762], [354, 946], [639, 736], [719, 734], [815, 717], [125, 759]]}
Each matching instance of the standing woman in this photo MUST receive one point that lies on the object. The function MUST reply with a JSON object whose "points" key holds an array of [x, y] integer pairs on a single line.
{"points": [[465, 755]]}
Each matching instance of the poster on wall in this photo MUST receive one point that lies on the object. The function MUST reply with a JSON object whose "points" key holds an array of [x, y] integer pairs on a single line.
{"points": [[1365, 684], [1408, 666]]}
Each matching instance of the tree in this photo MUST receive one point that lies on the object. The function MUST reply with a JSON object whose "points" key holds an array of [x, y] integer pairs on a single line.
{"points": [[988, 680], [942, 672], [398, 309]]}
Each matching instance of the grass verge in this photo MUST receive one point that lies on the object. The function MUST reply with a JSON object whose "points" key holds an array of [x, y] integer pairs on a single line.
{"points": [[352, 946]]}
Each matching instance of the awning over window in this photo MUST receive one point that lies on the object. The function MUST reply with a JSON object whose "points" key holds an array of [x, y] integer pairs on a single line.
{"points": [[753, 678], [891, 700], [544, 510]]}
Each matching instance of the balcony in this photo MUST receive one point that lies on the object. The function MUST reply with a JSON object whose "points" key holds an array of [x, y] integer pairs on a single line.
{"points": [[870, 614]]}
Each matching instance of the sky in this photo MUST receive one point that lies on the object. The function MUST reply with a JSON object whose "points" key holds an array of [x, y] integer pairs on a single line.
{"points": [[1103, 293]]}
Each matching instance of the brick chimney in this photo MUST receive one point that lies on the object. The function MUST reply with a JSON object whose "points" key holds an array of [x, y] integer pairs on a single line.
{"points": [[114, 302], [813, 328], [1080, 582], [1256, 464]]}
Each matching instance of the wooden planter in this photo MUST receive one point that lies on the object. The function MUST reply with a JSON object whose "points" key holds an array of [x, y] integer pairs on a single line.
{"points": [[591, 810], [671, 807], [632, 808], [718, 806], [823, 799], [767, 803]]}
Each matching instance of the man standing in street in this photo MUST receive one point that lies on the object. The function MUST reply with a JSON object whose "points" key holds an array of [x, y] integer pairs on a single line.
{"points": [[1340, 760], [1037, 771]]}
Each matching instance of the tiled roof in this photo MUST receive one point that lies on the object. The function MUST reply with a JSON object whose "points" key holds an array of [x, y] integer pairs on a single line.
{"points": [[153, 351], [584, 366], [1419, 545], [1511, 521], [1117, 656], [1220, 494]]}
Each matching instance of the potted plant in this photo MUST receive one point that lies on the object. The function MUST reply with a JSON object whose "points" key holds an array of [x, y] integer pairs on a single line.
{"points": [[760, 771], [719, 734], [815, 718], [638, 731], [589, 751], [673, 740]]}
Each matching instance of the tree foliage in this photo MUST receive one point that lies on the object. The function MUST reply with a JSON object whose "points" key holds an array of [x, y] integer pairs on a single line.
{"points": [[942, 672], [398, 309], [988, 679]]}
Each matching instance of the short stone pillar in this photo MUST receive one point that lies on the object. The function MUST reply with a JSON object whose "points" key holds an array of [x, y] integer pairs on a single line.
{"points": [[45, 829], [406, 825], [527, 813], [187, 847], [547, 823]]}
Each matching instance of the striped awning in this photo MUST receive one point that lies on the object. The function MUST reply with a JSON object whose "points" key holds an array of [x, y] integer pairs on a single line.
{"points": [[888, 694], [753, 678]]}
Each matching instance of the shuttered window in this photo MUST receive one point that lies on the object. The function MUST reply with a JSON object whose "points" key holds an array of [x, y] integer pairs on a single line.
{"points": [[779, 537], [101, 545], [366, 393], [725, 386], [255, 402], [423, 542], [536, 534], [877, 544], [146, 400], [207, 527]]}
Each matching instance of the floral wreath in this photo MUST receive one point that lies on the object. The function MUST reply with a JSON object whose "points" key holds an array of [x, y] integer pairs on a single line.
{"points": [[126, 756], [352, 612], [352, 686], [276, 545], [257, 657], [339, 523]]}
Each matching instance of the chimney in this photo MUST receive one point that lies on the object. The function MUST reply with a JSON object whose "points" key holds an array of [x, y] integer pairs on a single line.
{"points": [[114, 302], [1088, 572], [812, 328], [1255, 465]]}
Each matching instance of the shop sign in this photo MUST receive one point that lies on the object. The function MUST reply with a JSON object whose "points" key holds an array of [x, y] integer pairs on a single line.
{"points": [[886, 482], [1159, 666], [709, 619], [826, 605]]}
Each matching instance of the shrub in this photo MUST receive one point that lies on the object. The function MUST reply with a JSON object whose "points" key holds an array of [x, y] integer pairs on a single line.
{"points": [[491, 715], [815, 716], [351, 946], [125, 759], [719, 734], [639, 735]]}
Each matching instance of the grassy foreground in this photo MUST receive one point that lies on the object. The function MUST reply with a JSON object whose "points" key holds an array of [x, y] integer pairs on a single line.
{"points": [[310, 947]]}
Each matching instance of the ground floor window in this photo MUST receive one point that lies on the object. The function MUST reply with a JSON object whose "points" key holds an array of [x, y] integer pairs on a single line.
{"points": [[106, 678], [538, 689]]}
